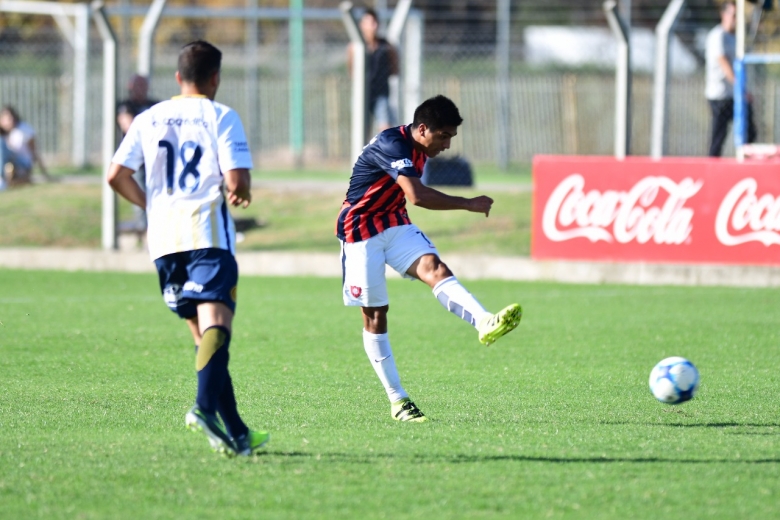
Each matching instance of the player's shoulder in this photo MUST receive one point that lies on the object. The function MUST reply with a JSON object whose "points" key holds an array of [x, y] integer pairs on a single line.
{"points": [[394, 141], [222, 110], [715, 33]]}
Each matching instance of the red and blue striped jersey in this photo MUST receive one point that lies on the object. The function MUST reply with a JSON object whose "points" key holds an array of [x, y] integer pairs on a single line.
{"points": [[375, 202]]}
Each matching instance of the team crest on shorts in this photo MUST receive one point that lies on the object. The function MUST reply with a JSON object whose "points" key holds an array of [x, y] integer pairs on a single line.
{"points": [[355, 291]]}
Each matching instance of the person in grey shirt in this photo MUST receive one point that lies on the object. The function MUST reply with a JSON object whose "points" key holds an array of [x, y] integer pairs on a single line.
{"points": [[719, 89]]}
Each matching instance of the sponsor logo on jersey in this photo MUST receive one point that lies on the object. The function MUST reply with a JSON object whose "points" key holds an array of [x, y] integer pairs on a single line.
{"points": [[400, 164], [241, 147], [193, 287], [355, 291], [179, 121]]}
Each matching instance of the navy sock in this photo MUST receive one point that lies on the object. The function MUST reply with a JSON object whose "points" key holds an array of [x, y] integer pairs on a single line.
{"points": [[228, 410], [215, 387], [211, 364]]}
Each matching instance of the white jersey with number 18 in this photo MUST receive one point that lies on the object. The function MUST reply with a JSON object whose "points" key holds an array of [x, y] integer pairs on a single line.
{"points": [[186, 143]]}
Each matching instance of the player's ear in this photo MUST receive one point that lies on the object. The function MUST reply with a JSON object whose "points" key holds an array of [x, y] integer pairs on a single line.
{"points": [[421, 129], [178, 78]]}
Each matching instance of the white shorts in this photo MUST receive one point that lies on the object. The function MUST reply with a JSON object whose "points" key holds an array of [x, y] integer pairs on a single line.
{"points": [[363, 263]]}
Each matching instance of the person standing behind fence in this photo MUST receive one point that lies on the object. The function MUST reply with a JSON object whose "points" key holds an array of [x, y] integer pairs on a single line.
{"points": [[381, 63], [20, 144], [137, 101], [719, 90]]}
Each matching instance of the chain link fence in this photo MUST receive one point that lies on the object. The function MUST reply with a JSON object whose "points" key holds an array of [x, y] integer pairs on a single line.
{"points": [[561, 89]]}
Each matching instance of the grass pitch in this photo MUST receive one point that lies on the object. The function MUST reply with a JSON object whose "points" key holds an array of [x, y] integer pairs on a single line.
{"points": [[555, 420]]}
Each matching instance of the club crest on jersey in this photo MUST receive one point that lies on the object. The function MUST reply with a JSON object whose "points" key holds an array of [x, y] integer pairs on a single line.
{"points": [[355, 291], [400, 164]]}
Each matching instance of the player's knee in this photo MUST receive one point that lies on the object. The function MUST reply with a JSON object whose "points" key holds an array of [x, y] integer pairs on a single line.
{"points": [[432, 270], [375, 319]]}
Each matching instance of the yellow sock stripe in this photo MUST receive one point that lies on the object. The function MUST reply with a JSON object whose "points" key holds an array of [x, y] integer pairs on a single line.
{"points": [[212, 340]]}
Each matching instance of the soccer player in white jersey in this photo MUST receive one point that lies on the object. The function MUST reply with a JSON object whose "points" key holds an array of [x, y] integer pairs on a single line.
{"points": [[197, 161]]}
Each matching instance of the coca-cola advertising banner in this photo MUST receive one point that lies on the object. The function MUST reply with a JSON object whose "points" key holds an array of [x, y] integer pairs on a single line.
{"points": [[690, 210]]}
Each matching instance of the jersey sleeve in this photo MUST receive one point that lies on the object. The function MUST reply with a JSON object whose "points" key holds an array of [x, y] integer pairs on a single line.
{"points": [[232, 146], [395, 158], [715, 44], [130, 153], [28, 132]]}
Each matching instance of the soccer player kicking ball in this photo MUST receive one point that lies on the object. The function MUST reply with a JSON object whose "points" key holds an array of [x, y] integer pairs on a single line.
{"points": [[191, 147], [374, 229]]}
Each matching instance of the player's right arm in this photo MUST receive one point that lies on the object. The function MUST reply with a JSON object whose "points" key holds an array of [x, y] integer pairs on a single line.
{"points": [[423, 196], [128, 158], [121, 181], [238, 183]]}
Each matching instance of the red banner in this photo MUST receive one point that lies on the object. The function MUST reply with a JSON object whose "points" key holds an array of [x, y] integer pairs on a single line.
{"points": [[689, 210]]}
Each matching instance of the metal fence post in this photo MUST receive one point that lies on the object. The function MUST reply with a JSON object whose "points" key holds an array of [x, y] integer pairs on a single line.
{"points": [[146, 38], [359, 87], [109, 206], [80, 86], [503, 13], [395, 30], [412, 65], [250, 73], [661, 80], [622, 80], [296, 81]]}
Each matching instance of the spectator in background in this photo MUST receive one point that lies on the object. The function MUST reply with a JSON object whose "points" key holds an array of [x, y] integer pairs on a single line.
{"points": [[5, 157], [137, 101], [719, 90], [381, 63], [20, 153]]}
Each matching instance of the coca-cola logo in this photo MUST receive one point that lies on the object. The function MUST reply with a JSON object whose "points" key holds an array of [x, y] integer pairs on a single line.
{"points": [[752, 218], [639, 214]]}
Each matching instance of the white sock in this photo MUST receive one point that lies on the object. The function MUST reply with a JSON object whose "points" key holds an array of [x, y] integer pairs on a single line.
{"points": [[381, 357], [456, 299]]}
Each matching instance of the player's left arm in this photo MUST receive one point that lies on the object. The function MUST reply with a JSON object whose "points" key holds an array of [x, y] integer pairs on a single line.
{"points": [[234, 158], [423, 196], [238, 183], [121, 180]]}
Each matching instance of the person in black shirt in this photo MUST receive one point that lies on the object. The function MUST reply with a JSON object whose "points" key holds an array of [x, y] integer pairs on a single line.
{"points": [[382, 62], [137, 101]]}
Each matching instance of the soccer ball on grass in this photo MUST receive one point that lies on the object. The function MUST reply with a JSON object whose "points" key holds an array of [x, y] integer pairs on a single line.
{"points": [[674, 380]]}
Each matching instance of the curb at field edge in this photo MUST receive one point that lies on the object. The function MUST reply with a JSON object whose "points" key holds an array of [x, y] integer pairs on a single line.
{"points": [[467, 267]]}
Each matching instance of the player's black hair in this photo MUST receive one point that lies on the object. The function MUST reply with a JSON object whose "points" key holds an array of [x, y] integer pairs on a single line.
{"points": [[725, 5], [198, 61], [437, 112], [372, 13]]}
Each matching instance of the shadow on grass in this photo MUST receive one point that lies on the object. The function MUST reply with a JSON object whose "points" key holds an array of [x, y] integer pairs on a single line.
{"points": [[472, 459], [721, 425]]}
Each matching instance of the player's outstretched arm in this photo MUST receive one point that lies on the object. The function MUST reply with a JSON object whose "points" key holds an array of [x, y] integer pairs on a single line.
{"points": [[238, 183], [121, 181], [421, 195]]}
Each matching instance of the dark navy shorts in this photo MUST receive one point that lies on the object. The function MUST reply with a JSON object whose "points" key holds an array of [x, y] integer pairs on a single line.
{"points": [[192, 277]]}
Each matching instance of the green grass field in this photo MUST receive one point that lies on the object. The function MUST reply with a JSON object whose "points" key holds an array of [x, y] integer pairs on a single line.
{"points": [[553, 421]]}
